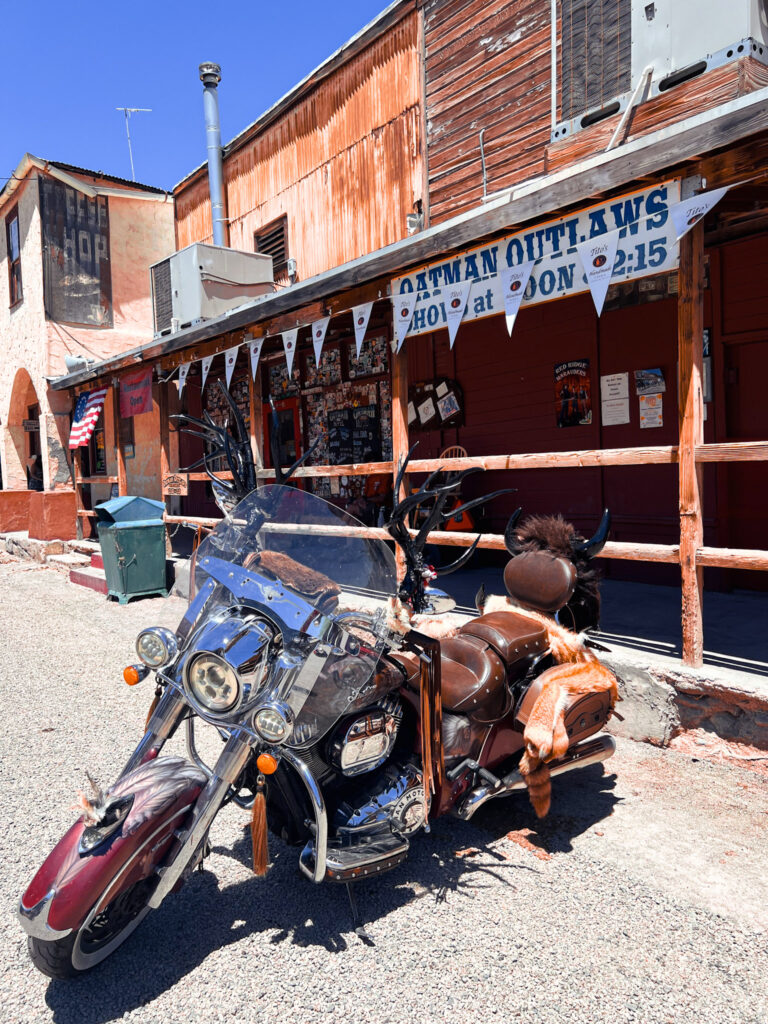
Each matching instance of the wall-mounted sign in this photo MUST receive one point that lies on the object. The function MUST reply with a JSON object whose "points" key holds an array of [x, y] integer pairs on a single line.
{"points": [[647, 245], [31, 426], [175, 483], [136, 393], [435, 404], [573, 400]]}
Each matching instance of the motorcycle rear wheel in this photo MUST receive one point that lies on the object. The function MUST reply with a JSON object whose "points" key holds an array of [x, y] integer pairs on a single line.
{"points": [[98, 936]]}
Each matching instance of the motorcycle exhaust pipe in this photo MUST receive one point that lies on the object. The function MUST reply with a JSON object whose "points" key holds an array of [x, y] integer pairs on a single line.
{"points": [[591, 751]]}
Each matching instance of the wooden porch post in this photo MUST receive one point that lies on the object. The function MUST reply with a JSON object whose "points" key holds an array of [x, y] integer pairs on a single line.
{"points": [[690, 326], [257, 419], [122, 487], [165, 439], [399, 429]]}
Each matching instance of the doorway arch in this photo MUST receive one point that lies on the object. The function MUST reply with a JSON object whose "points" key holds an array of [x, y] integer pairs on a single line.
{"points": [[20, 443]]}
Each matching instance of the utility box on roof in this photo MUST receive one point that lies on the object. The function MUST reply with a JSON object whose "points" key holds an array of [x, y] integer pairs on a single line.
{"points": [[132, 538]]}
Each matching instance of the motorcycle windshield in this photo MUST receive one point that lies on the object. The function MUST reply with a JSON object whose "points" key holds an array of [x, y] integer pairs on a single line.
{"points": [[309, 567]]}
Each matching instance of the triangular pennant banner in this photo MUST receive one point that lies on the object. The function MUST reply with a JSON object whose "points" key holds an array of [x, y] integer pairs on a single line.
{"points": [[319, 327], [254, 350], [402, 313], [206, 367], [230, 358], [183, 371], [690, 211], [597, 256], [289, 344], [360, 316], [514, 281], [455, 303]]}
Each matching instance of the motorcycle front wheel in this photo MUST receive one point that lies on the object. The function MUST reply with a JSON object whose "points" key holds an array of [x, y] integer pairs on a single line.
{"points": [[98, 936]]}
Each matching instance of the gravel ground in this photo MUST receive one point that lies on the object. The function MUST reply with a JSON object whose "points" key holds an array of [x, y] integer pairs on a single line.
{"points": [[642, 898]]}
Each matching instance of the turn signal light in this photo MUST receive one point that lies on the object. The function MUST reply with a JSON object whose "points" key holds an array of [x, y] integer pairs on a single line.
{"points": [[267, 764], [133, 674]]}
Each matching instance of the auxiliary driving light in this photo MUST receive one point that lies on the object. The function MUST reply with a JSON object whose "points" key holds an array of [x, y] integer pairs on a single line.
{"points": [[157, 646], [272, 723]]}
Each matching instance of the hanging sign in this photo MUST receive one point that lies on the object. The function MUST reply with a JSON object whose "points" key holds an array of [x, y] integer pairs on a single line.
{"points": [[289, 344], [597, 257], [455, 303], [136, 393], [206, 367], [647, 245], [183, 371], [254, 351], [230, 358], [319, 327], [514, 281], [690, 211], [402, 313], [360, 316]]}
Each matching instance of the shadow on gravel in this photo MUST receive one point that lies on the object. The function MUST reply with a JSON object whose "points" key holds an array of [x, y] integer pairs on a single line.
{"points": [[453, 861], [580, 800]]}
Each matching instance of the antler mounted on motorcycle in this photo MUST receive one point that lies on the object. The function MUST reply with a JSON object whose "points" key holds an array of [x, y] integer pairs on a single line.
{"points": [[233, 444], [418, 574]]}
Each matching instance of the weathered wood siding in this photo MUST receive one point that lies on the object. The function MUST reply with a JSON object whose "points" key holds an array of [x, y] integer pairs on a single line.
{"points": [[343, 164], [487, 66]]}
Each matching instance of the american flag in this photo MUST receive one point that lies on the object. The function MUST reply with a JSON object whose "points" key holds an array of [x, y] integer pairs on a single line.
{"points": [[87, 410]]}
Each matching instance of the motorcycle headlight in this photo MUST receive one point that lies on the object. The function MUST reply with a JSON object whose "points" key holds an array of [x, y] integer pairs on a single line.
{"points": [[157, 646], [273, 723], [213, 682]]}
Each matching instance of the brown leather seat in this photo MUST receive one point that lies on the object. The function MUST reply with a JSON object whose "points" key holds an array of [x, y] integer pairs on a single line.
{"points": [[515, 638], [472, 674]]}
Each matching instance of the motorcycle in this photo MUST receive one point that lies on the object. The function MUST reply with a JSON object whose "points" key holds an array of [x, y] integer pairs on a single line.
{"points": [[346, 727]]}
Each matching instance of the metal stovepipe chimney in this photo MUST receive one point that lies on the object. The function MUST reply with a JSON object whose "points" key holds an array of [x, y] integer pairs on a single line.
{"points": [[210, 76]]}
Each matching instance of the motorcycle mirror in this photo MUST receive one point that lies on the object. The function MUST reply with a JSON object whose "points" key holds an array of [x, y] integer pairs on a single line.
{"points": [[437, 601]]}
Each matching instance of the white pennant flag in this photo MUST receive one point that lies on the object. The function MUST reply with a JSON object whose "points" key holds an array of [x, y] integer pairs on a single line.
{"points": [[183, 371], [230, 358], [455, 303], [289, 344], [360, 316], [514, 281], [254, 350], [206, 367], [402, 313], [690, 211], [597, 256], [319, 327]]}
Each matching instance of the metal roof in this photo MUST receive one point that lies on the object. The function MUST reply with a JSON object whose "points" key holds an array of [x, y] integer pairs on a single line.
{"points": [[351, 48], [108, 177]]}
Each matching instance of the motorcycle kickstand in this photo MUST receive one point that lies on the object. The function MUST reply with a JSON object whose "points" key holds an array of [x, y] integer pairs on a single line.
{"points": [[357, 920]]}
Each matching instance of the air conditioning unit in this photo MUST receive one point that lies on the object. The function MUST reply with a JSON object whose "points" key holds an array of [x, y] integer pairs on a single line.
{"points": [[202, 282], [605, 47]]}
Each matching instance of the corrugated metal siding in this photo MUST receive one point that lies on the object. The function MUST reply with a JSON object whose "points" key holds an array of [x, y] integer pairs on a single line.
{"points": [[487, 66], [344, 164]]}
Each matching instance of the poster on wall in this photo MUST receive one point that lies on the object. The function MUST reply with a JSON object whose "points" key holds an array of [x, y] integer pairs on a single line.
{"points": [[651, 411], [650, 382], [573, 398]]}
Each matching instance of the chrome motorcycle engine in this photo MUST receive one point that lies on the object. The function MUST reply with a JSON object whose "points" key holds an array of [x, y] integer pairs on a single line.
{"points": [[395, 799], [364, 742]]}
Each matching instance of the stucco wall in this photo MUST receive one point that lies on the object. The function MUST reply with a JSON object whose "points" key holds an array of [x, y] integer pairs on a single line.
{"points": [[141, 233]]}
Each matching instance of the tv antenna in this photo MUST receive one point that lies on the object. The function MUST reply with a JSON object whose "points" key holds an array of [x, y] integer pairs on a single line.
{"points": [[128, 111]]}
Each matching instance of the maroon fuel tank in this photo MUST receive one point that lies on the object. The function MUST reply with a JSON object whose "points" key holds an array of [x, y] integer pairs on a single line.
{"points": [[164, 791]]}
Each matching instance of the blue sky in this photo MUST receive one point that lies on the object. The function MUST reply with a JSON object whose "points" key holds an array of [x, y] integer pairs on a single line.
{"points": [[68, 66]]}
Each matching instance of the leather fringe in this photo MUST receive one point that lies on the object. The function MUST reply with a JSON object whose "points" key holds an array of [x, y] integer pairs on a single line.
{"points": [[152, 706], [430, 682], [259, 830]]}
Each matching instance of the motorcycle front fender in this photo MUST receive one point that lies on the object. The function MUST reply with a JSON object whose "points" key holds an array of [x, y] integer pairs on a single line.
{"points": [[70, 883]]}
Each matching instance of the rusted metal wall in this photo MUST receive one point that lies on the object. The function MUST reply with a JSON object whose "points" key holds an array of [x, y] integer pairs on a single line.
{"points": [[487, 66], [343, 163]]}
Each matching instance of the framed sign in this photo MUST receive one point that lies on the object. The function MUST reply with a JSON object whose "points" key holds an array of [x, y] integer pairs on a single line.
{"points": [[435, 404]]}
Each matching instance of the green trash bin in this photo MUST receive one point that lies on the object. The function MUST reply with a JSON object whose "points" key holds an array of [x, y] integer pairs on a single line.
{"points": [[132, 539]]}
